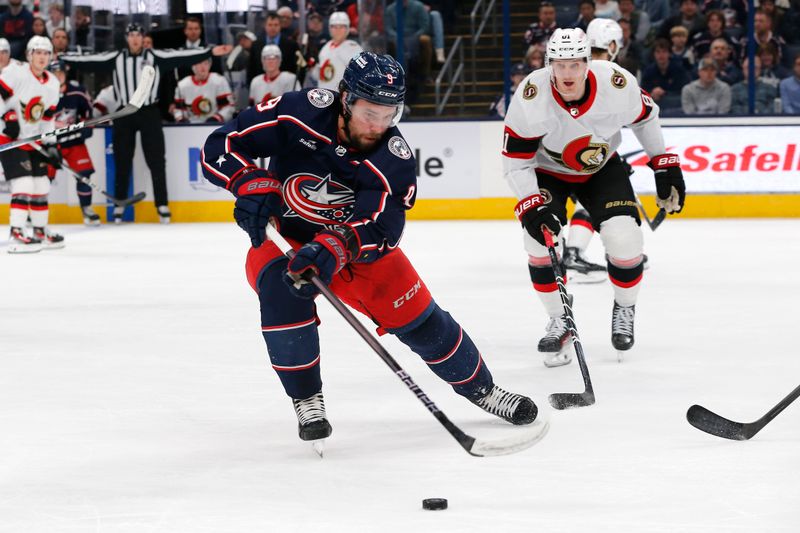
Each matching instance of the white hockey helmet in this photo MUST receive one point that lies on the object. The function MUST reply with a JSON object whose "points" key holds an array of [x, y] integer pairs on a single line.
{"points": [[602, 33], [271, 50], [5, 46], [37, 42], [339, 18], [567, 43]]}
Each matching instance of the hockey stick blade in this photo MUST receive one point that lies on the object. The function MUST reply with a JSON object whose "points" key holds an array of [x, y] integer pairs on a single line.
{"points": [[509, 445], [658, 219], [570, 400], [138, 197]]}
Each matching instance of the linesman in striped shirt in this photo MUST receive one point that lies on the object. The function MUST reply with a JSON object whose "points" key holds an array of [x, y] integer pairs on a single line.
{"points": [[127, 66]]}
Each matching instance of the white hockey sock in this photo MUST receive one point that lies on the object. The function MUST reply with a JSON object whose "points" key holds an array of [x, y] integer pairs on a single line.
{"points": [[40, 210], [21, 191]]}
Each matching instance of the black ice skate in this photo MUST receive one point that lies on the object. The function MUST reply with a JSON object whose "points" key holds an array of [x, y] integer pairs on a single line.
{"points": [[90, 217], [164, 216], [555, 345], [580, 269], [117, 216], [50, 240], [19, 243], [312, 425], [622, 328], [514, 408]]}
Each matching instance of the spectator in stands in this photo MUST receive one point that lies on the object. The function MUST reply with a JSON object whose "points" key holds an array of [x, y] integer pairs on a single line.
{"points": [[436, 31], [765, 94], [39, 27], [585, 14], [706, 95], [679, 51], [288, 23], [764, 35], [722, 55], [272, 35], [540, 31], [193, 31], [772, 72], [518, 73], [606, 9], [689, 17], [56, 19], [781, 23], [416, 41], [317, 35], [790, 91], [665, 77], [631, 54], [640, 22], [147, 41], [657, 11], [715, 29], [16, 25], [534, 58], [83, 22], [60, 40]]}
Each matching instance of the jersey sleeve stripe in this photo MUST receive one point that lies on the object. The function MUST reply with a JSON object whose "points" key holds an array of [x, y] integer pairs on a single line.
{"points": [[381, 207], [247, 131], [5, 91], [380, 175], [646, 109], [519, 147], [211, 169], [303, 125]]}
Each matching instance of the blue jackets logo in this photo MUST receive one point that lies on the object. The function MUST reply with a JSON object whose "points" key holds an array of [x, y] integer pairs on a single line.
{"points": [[318, 200]]}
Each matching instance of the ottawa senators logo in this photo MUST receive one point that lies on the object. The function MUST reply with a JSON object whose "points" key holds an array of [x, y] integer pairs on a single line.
{"points": [[326, 71], [581, 155], [618, 79], [530, 91], [318, 200], [201, 106], [33, 111]]}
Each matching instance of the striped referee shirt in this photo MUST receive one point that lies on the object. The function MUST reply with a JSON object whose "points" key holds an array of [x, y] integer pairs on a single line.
{"points": [[128, 67]]}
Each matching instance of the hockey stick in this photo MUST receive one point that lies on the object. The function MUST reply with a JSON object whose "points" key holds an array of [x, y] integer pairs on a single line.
{"points": [[567, 400], [138, 98], [139, 196], [657, 220], [714, 424], [473, 446]]}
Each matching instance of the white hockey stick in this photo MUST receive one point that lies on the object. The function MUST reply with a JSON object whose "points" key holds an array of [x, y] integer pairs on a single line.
{"points": [[135, 104], [473, 446]]}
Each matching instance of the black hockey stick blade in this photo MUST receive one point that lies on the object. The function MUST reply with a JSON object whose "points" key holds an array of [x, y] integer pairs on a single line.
{"points": [[476, 447], [658, 219], [719, 426], [138, 197]]}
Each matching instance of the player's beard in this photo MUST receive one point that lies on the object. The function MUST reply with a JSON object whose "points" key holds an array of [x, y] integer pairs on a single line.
{"points": [[362, 143]]}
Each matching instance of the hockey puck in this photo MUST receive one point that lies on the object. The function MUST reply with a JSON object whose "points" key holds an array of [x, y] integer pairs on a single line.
{"points": [[434, 504]]}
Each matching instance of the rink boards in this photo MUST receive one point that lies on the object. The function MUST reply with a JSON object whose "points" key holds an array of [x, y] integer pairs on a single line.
{"points": [[733, 168]]}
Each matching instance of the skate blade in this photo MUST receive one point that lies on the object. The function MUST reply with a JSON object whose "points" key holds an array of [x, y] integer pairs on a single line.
{"points": [[319, 446], [588, 278]]}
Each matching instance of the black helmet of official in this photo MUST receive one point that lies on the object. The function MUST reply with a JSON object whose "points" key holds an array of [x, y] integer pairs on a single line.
{"points": [[134, 27], [379, 79]]}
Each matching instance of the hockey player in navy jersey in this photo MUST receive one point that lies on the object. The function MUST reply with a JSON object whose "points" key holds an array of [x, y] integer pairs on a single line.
{"points": [[341, 178]]}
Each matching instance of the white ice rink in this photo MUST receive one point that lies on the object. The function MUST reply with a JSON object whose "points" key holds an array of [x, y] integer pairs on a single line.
{"points": [[136, 395]]}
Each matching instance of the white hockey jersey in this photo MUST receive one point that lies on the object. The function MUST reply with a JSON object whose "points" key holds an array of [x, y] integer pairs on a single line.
{"points": [[333, 58], [263, 88], [32, 100], [573, 142], [106, 101], [197, 101]]}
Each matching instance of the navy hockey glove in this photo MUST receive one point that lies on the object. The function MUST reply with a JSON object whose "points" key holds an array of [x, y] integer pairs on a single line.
{"points": [[670, 188], [534, 214], [258, 198], [326, 255]]}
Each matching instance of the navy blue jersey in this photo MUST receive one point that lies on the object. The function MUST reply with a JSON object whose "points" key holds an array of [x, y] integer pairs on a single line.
{"points": [[325, 183], [73, 107]]}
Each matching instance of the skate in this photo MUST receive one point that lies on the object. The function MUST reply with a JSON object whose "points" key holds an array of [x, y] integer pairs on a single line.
{"points": [[19, 243], [556, 343], [311, 422], [117, 216], [90, 217], [622, 328], [580, 269], [164, 215], [49, 239], [514, 408]]}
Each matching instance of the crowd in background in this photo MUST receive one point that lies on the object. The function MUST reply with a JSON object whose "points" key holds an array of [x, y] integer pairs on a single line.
{"points": [[690, 55]]}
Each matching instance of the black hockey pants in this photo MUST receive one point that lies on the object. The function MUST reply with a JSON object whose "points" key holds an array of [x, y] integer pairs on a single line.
{"points": [[148, 122]]}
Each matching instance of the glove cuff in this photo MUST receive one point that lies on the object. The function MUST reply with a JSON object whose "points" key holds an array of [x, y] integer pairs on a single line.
{"points": [[527, 204], [336, 244], [253, 180], [664, 161]]}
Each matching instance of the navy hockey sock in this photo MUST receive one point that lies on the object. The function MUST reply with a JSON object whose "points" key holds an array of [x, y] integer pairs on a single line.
{"points": [[449, 352]]}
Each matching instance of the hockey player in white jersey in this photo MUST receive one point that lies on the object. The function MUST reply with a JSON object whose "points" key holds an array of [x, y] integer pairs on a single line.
{"points": [[204, 96], [274, 82], [337, 53], [30, 94], [561, 136], [605, 41]]}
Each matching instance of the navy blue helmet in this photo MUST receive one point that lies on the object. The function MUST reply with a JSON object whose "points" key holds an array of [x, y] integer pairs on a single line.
{"points": [[379, 79]]}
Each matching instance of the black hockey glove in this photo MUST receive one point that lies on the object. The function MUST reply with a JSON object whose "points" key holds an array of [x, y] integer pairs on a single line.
{"points": [[533, 213], [670, 188], [326, 255], [258, 199], [12, 125], [54, 158]]}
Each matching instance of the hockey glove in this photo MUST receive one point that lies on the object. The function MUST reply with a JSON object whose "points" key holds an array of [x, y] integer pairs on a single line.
{"points": [[326, 255], [258, 198], [53, 156], [534, 215], [670, 188], [12, 125]]}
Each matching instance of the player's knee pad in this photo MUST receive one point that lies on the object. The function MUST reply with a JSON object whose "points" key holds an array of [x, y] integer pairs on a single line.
{"points": [[22, 185], [622, 238], [449, 352], [289, 327]]}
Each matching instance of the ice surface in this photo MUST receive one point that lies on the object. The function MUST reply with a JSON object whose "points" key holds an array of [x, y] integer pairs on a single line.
{"points": [[135, 393]]}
